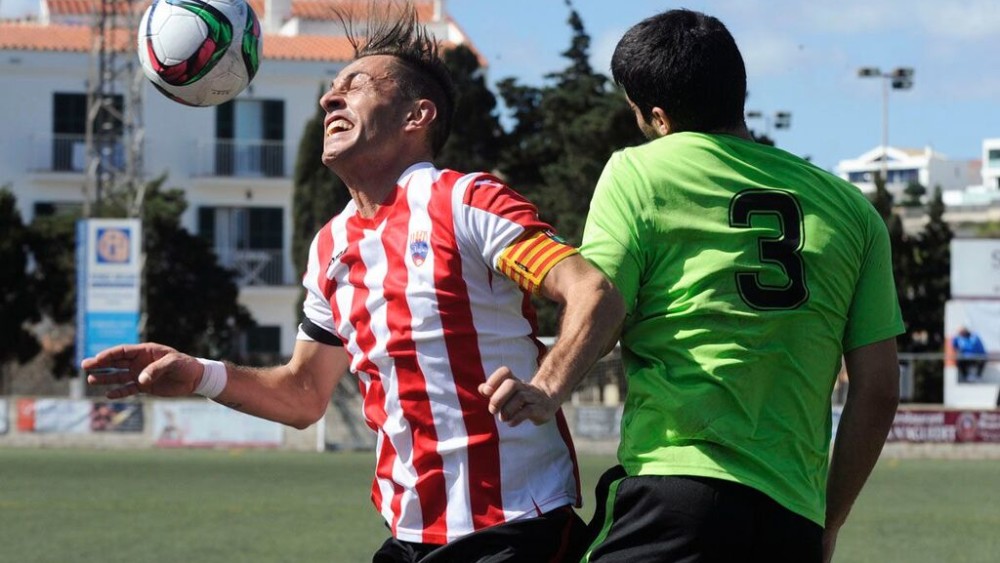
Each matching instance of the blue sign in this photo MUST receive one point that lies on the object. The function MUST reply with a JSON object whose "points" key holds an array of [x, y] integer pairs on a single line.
{"points": [[109, 283]]}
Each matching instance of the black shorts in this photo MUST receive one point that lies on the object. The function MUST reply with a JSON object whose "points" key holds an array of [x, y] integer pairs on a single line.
{"points": [[665, 519], [557, 536]]}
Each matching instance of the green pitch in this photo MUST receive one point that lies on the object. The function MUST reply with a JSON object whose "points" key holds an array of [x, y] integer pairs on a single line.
{"points": [[266, 506]]}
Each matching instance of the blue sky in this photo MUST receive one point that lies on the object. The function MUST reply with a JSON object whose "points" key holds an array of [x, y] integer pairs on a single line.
{"points": [[802, 56]]}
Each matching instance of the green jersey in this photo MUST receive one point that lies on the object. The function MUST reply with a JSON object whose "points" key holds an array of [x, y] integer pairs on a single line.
{"points": [[746, 272]]}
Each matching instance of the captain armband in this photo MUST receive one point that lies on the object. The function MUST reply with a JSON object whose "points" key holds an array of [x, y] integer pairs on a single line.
{"points": [[527, 260]]}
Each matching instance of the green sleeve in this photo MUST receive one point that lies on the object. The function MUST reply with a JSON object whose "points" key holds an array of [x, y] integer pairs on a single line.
{"points": [[874, 314], [610, 237]]}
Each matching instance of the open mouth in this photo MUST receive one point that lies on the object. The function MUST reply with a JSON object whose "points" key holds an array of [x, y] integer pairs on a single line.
{"points": [[338, 126]]}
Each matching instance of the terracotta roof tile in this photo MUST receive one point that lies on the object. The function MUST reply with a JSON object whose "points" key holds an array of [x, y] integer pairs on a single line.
{"points": [[308, 48], [72, 38], [84, 7], [323, 9], [33, 36], [304, 9]]}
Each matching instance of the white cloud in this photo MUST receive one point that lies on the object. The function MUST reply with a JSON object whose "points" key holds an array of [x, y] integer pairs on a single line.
{"points": [[970, 20], [955, 19]]}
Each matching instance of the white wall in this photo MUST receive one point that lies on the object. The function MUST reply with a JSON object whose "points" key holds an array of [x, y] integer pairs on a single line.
{"points": [[174, 135]]}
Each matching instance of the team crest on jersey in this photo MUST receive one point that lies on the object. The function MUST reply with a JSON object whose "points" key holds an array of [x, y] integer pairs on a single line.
{"points": [[419, 246]]}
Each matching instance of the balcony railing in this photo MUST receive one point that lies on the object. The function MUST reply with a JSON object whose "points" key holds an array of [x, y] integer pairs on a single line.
{"points": [[212, 157], [254, 267], [241, 158], [68, 153]]}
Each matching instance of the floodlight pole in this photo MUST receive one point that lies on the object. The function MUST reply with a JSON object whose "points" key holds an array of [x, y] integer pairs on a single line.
{"points": [[900, 78]]}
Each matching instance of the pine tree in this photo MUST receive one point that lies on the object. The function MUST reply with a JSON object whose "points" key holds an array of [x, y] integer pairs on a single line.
{"points": [[477, 138], [563, 135], [930, 279]]}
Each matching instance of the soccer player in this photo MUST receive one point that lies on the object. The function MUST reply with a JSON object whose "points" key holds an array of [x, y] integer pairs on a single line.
{"points": [[746, 272], [425, 280]]}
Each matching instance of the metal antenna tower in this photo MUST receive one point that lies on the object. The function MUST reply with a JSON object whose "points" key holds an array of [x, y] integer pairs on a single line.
{"points": [[114, 131]]}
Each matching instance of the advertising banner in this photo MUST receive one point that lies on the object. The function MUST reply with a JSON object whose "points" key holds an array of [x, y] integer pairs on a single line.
{"points": [[65, 416], [116, 417], [945, 426], [109, 276], [597, 422], [208, 424]]}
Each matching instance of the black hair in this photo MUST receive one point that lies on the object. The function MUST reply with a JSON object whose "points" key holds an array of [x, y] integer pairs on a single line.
{"points": [[393, 29], [687, 64]]}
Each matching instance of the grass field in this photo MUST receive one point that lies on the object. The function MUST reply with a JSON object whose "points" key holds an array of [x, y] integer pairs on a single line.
{"points": [[266, 506]]}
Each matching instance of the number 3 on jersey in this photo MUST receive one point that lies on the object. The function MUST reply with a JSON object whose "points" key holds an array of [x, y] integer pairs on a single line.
{"points": [[784, 250]]}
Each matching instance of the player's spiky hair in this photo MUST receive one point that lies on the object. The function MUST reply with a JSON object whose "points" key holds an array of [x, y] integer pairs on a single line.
{"points": [[392, 28]]}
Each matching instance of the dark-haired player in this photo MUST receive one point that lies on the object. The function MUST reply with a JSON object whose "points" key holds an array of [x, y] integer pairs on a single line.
{"points": [[747, 273]]}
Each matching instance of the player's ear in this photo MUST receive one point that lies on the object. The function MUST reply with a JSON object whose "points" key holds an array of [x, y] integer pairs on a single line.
{"points": [[422, 113], [660, 122]]}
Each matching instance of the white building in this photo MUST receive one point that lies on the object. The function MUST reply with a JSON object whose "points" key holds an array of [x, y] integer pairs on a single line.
{"points": [[234, 161], [991, 165], [903, 166]]}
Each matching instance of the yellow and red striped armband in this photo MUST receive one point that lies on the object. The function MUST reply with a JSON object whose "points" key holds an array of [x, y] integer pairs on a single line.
{"points": [[528, 259]]}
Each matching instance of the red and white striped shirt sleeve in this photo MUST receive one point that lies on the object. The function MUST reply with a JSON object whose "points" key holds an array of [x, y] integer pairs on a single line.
{"points": [[513, 240]]}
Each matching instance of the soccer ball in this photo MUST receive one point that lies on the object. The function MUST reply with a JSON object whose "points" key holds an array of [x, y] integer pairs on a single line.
{"points": [[199, 52]]}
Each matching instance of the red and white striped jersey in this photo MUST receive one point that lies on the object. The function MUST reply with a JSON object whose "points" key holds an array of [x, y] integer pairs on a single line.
{"points": [[429, 297]]}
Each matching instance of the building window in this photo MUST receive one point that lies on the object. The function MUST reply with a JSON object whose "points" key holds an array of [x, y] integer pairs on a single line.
{"points": [[69, 131], [250, 138], [859, 177], [903, 176], [52, 209], [247, 240], [993, 158]]}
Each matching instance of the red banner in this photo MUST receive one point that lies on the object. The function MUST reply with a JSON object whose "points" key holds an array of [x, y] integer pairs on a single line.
{"points": [[945, 426]]}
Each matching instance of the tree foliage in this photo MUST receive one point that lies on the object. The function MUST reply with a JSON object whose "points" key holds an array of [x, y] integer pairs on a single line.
{"points": [[928, 290], [922, 271], [190, 301], [18, 301], [563, 135], [914, 192], [477, 138]]}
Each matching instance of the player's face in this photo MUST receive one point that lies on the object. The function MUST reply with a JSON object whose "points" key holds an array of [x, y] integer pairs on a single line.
{"points": [[364, 112]]}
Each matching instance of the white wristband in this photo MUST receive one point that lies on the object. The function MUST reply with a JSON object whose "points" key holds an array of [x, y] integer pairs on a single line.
{"points": [[213, 378]]}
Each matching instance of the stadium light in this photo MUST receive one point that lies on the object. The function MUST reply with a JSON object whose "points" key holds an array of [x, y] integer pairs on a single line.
{"points": [[899, 78], [778, 119]]}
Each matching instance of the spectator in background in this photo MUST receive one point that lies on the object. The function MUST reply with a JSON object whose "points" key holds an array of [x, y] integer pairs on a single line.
{"points": [[971, 355]]}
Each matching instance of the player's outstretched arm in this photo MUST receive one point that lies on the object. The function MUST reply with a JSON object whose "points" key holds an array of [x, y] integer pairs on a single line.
{"points": [[872, 398], [127, 370], [295, 394], [593, 311]]}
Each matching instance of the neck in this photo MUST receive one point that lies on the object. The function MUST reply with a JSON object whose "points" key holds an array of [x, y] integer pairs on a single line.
{"points": [[370, 186]]}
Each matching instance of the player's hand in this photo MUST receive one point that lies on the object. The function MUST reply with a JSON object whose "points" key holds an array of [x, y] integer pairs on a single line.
{"points": [[150, 368], [516, 401]]}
